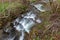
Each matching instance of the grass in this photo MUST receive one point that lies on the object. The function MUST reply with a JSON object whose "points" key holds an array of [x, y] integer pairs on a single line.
{"points": [[14, 7], [45, 16], [3, 6], [59, 1]]}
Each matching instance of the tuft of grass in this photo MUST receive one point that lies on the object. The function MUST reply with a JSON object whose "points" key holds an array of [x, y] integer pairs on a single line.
{"points": [[58, 1], [3, 6], [15, 8]]}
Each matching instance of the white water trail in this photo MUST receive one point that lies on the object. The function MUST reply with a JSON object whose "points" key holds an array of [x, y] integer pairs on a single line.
{"points": [[26, 23], [22, 35], [40, 7]]}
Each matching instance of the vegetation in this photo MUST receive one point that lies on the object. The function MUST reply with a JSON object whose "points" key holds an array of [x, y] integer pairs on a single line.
{"points": [[49, 29], [3, 6]]}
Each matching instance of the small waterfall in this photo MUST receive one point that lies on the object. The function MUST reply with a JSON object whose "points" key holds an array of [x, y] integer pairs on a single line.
{"points": [[40, 7], [30, 15], [22, 35], [27, 21]]}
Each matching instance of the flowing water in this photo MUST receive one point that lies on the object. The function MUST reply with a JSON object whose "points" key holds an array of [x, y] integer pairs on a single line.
{"points": [[27, 21], [40, 7]]}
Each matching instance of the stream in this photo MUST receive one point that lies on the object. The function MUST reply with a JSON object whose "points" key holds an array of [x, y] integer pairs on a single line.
{"points": [[27, 21], [24, 24]]}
